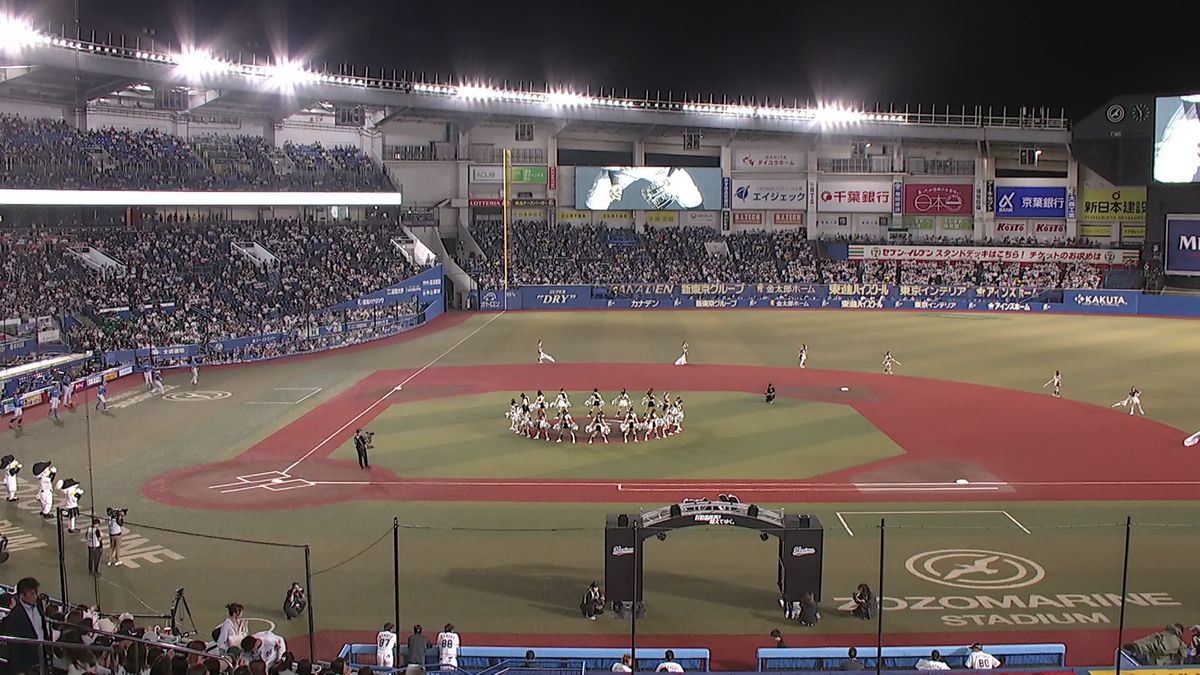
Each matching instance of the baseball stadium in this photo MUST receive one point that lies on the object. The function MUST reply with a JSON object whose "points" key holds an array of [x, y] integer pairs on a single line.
{"points": [[898, 380]]}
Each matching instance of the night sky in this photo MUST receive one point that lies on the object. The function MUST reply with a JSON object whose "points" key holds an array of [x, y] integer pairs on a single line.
{"points": [[970, 52]]}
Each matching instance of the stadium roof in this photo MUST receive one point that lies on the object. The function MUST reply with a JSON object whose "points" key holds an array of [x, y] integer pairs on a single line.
{"points": [[57, 69]]}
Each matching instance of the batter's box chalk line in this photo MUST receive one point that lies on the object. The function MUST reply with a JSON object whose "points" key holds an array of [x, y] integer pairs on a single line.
{"points": [[273, 481]]}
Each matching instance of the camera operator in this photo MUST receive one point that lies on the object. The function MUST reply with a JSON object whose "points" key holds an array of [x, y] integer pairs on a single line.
{"points": [[294, 603], [362, 443], [116, 527]]}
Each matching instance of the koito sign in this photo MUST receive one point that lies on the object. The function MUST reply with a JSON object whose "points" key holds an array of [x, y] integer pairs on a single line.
{"points": [[937, 199]]}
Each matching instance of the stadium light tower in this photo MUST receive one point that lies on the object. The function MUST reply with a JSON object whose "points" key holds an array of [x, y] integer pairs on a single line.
{"points": [[16, 34]]}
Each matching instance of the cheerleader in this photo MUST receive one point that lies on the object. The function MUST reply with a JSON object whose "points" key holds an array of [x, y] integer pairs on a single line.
{"points": [[543, 357], [71, 494], [11, 467], [622, 402], [540, 399], [770, 395], [542, 424], [682, 360], [598, 426], [660, 424], [678, 414], [566, 424], [888, 362], [526, 423], [648, 399], [630, 426], [651, 424], [1127, 401], [514, 416], [1057, 382], [562, 402], [595, 401], [802, 357]]}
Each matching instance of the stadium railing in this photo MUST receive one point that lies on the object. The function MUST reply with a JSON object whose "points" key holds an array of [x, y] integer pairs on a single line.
{"points": [[905, 658], [573, 659]]}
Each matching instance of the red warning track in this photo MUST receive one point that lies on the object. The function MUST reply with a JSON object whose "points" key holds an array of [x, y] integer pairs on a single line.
{"points": [[1010, 445]]}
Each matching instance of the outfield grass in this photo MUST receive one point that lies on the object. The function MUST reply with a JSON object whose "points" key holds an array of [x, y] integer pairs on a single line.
{"points": [[705, 581]]}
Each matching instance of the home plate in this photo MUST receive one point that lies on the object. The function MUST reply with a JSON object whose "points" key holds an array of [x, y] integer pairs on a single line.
{"points": [[276, 480]]}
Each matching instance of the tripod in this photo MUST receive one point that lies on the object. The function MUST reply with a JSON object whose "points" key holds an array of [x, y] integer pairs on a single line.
{"points": [[175, 604]]}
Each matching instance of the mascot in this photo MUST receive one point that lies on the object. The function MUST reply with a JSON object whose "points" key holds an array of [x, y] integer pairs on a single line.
{"points": [[45, 473], [11, 467], [72, 491]]}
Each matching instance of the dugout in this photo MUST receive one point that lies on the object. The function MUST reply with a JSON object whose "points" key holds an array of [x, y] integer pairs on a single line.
{"points": [[801, 545]]}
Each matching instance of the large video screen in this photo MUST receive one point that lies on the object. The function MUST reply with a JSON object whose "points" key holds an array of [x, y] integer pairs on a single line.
{"points": [[1183, 245], [1177, 139], [647, 188]]}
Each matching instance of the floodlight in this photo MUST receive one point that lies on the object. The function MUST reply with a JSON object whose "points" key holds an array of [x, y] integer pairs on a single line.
{"points": [[196, 63], [16, 34]]}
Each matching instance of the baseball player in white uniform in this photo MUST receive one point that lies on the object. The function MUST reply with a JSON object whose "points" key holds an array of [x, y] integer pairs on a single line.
{"points": [[1057, 382], [385, 646], [802, 357], [543, 357], [682, 360], [447, 644], [888, 362]]}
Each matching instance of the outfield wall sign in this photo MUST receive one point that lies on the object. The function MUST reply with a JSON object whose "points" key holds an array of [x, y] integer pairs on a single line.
{"points": [[1183, 245], [995, 254]]}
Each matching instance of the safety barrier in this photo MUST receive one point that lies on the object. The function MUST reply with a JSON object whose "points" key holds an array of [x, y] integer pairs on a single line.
{"points": [[928, 297], [575, 659], [905, 658]]}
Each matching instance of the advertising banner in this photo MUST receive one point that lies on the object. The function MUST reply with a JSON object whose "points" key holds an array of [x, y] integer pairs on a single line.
{"points": [[648, 188], [573, 217], [698, 218], [1050, 230], [996, 253], [957, 223], [990, 196], [788, 218], [1103, 301], [1095, 230], [494, 173], [779, 160], [777, 195], [726, 193], [1018, 229], [1183, 245], [1031, 202], [1126, 204], [854, 197], [552, 178], [1133, 231], [918, 222], [427, 285], [669, 218], [485, 203], [747, 218], [1072, 202], [897, 197], [533, 202], [527, 214], [937, 199]]}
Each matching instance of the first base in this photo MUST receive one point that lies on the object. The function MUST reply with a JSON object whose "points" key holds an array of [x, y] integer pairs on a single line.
{"points": [[1191, 440]]}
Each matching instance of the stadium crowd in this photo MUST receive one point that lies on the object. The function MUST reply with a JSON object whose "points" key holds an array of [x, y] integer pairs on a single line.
{"points": [[541, 253], [184, 282], [43, 153]]}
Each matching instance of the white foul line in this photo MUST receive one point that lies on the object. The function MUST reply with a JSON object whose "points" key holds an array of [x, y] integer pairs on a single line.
{"points": [[312, 391], [841, 516], [383, 398]]}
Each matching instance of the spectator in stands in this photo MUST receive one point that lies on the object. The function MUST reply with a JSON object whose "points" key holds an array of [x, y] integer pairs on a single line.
{"points": [[26, 620], [625, 665], [932, 662], [1164, 648], [530, 659], [304, 667], [852, 662], [286, 665], [592, 602], [418, 644], [777, 637], [339, 667], [981, 660], [366, 670], [865, 603], [294, 602], [669, 665]]}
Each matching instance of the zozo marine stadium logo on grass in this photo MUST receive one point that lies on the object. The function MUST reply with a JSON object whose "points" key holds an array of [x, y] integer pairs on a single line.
{"points": [[976, 569]]}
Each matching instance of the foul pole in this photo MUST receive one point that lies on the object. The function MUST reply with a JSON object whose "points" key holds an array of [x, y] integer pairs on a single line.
{"points": [[506, 199]]}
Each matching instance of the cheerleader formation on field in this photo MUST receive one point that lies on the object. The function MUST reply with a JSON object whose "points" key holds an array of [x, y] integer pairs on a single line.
{"points": [[661, 416]]}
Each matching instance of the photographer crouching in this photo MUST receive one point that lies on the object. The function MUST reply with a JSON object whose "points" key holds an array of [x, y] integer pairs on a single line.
{"points": [[363, 441], [116, 527]]}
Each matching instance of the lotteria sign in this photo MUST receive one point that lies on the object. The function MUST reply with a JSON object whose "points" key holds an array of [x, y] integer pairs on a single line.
{"points": [[1183, 245], [1031, 202], [937, 199]]}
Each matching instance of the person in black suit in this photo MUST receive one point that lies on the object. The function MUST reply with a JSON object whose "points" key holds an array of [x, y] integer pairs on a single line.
{"points": [[362, 442], [27, 621]]}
